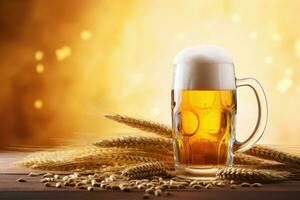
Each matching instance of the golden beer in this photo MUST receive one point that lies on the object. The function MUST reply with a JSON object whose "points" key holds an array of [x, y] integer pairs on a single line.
{"points": [[202, 127], [204, 108]]}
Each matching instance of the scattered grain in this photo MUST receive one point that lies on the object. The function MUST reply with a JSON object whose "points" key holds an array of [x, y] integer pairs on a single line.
{"points": [[47, 184], [34, 174], [245, 184], [58, 185], [256, 185], [21, 180]]}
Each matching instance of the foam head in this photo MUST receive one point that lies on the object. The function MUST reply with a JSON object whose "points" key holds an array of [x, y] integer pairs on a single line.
{"points": [[204, 67]]}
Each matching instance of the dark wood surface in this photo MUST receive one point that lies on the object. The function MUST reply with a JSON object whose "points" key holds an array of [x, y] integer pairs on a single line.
{"points": [[33, 189]]}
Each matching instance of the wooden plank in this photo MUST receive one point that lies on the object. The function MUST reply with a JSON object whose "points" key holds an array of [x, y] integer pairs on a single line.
{"points": [[33, 189], [8, 183], [178, 195]]}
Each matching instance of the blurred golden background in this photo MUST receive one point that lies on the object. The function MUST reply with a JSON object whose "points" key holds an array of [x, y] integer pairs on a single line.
{"points": [[64, 63]]}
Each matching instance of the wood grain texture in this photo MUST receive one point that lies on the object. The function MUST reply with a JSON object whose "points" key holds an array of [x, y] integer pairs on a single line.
{"points": [[33, 189]]}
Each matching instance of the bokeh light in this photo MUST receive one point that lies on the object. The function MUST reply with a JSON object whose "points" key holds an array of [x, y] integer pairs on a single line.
{"points": [[253, 35], [38, 104], [63, 53], [39, 68], [276, 37], [86, 35], [284, 84], [268, 60], [39, 55], [236, 19], [88, 58]]}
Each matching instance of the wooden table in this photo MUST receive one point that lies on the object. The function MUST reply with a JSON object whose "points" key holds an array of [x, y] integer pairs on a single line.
{"points": [[33, 189]]}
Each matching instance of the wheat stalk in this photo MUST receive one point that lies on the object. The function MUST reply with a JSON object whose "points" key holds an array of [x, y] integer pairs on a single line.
{"points": [[105, 171], [70, 166], [278, 167], [159, 144], [145, 125], [139, 157], [142, 164], [128, 157], [63, 155], [91, 157], [165, 130], [242, 159], [141, 143], [145, 170], [252, 175], [272, 166], [165, 146], [272, 154]]}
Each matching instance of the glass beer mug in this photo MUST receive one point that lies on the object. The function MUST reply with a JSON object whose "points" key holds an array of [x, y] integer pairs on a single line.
{"points": [[204, 108]]}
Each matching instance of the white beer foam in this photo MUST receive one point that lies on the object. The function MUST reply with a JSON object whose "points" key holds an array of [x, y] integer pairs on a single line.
{"points": [[204, 67], [203, 53]]}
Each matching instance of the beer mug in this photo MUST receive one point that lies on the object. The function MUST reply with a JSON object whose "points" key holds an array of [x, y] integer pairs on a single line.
{"points": [[204, 108]]}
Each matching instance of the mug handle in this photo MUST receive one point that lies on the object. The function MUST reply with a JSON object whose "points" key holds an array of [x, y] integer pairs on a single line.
{"points": [[262, 114]]}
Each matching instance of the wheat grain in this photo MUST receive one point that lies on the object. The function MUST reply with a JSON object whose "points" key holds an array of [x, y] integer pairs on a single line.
{"points": [[245, 184], [256, 185], [34, 174], [21, 180], [58, 185], [47, 184], [145, 125], [272, 154], [252, 175], [145, 170], [141, 143]]}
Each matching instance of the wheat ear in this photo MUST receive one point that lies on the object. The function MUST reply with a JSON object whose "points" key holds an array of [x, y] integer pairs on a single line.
{"points": [[91, 157], [165, 130], [252, 175], [153, 144], [272, 154], [103, 171], [278, 167], [145, 170], [165, 145], [242, 159], [141, 143], [127, 157], [145, 125], [62, 155]]}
